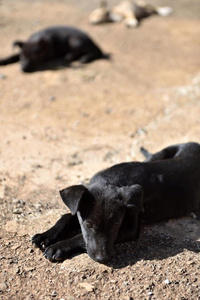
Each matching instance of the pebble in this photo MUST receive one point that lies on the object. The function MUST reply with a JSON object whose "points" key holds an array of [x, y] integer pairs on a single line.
{"points": [[109, 110], [166, 281], [2, 76], [150, 293], [17, 212], [141, 131], [17, 270], [54, 294], [87, 286], [3, 286], [52, 98], [15, 200]]}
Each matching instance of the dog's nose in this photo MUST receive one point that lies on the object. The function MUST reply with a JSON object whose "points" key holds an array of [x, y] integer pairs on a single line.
{"points": [[102, 259]]}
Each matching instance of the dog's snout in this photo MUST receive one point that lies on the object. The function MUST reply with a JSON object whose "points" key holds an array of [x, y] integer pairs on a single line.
{"points": [[102, 258], [99, 256], [100, 252]]}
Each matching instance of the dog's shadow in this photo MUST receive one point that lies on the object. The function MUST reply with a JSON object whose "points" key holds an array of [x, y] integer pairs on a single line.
{"points": [[55, 65], [158, 242]]}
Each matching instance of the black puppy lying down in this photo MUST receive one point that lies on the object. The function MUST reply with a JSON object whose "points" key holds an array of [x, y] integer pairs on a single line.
{"points": [[109, 210], [53, 43]]}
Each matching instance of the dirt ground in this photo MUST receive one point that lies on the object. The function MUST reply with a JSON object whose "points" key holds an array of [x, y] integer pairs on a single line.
{"points": [[60, 127]]}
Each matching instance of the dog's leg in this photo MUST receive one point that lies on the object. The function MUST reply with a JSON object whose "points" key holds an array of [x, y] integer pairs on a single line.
{"points": [[66, 227], [75, 50], [164, 11], [70, 57], [89, 57], [167, 153], [83, 50], [9, 60], [63, 249], [130, 228]]}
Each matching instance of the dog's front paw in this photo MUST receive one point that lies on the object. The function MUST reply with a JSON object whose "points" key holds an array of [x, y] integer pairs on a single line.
{"points": [[58, 252], [42, 241]]}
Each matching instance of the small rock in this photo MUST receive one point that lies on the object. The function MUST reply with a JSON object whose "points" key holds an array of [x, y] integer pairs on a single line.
{"points": [[29, 269], [54, 294], [150, 293], [109, 110], [15, 200], [87, 286], [2, 76], [17, 212], [15, 247], [17, 270], [84, 114], [37, 166], [166, 281], [141, 131], [193, 215], [52, 98], [3, 286]]}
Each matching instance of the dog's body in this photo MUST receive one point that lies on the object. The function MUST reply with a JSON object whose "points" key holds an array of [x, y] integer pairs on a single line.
{"points": [[128, 11], [62, 42], [109, 210]]}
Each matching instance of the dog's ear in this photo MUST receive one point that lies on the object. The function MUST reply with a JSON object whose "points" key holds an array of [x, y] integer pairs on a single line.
{"points": [[132, 196], [72, 197], [20, 44]]}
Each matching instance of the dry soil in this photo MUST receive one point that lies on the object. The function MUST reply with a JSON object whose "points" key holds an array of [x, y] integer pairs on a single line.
{"points": [[59, 127]]}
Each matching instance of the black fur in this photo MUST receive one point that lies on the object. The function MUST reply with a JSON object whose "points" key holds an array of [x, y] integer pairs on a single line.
{"points": [[109, 210], [60, 45]]}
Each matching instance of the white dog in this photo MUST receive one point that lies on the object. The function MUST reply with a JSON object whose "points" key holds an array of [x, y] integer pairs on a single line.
{"points": [[128, 12]]}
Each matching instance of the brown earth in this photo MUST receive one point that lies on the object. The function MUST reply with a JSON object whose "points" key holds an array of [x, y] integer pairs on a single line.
{"points": [[60, 127]]}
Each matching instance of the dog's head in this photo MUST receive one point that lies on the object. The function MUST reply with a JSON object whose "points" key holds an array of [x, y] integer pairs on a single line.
{"points": [[101, 211], [32, 53]]}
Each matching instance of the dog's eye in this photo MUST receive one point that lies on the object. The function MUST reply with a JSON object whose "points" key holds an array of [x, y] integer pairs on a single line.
{"points": [[120, 198], [89, 224]]}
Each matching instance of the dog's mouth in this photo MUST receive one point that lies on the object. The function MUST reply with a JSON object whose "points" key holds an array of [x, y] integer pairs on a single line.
{"points": [[100, 256]]}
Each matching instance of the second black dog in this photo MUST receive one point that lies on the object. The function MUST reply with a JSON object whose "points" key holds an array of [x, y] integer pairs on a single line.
{"points": [[54, 43], [109, 210]]}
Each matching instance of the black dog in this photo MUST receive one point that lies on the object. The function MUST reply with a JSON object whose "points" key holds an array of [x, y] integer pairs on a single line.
{"points": [[55, 43], [110, 209]]}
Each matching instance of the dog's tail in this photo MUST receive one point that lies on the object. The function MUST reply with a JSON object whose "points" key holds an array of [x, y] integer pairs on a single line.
{"points": [[106, 56], [164, 11], [145, 152], [9, 60]]}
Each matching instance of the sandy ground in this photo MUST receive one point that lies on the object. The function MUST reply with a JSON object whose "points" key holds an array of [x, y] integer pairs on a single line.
{"points": [[60, 127]]}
